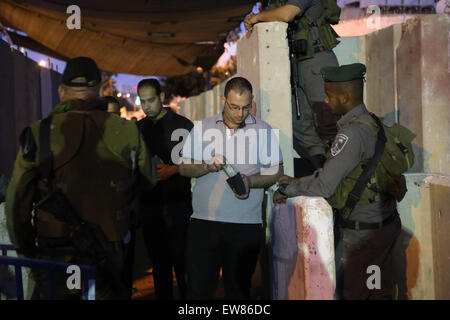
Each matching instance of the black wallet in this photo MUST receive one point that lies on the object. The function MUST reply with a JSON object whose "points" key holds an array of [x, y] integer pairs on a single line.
{"points": [[236, 184]]}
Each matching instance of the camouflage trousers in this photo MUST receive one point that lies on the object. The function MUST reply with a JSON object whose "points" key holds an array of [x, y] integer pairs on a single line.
{"points": [[317, 123]]}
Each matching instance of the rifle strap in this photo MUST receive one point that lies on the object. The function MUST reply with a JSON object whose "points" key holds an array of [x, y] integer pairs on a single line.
{"points": [[355, 195], [45, 154]]}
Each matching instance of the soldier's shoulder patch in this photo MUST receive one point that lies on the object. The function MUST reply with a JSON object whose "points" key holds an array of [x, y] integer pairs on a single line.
{"points": [[339, 143]]}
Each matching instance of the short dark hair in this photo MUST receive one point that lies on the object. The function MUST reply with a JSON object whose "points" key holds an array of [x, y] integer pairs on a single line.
{"points": [[238, 84], [150, 83], [354, 87]]}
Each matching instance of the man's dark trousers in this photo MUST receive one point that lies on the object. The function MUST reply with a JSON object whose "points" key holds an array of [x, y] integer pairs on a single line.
{"points": [[164, 228], [232, 246]]}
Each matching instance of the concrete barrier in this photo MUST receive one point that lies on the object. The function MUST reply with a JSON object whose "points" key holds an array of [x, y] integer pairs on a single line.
{"points": [[209, 101], [263, 59], [423, 95], [422, 251], [302, 243]]}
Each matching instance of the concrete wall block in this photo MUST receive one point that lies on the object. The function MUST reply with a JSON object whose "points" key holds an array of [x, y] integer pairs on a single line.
{"points": [[440, 219], [435, 83], [248, 63], [198, 110], [263, 58], [380, 78], [194, 110], [188, 108], [409, 87], [217, 96], [303, 250], [209, 103], [316, 244], [413, 252], [201, 104], [366, 24], [422, 251], [351, 50], [182, 105], [423, 81]]}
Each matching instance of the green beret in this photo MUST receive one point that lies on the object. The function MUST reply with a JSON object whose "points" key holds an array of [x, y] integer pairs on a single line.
{"points": [[347, 72]]}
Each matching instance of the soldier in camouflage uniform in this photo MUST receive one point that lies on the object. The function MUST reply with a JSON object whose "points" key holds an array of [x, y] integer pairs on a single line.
{"points": [[316, 127], [96, 157]]}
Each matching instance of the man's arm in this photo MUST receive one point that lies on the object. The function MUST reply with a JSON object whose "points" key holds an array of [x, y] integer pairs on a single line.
{"points": [[347, 155], [165, 171], [198, 170], [193, 170], [258, 181], [285, 13]]}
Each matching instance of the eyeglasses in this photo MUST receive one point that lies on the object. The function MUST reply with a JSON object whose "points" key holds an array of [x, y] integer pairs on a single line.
{"points": [[238, 108]]}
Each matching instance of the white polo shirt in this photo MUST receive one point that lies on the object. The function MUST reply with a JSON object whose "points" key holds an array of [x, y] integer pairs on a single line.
{"points": [[251, 149]]}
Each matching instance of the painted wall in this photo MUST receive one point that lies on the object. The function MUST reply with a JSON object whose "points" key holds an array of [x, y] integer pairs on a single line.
{"points": [[422, 251]]}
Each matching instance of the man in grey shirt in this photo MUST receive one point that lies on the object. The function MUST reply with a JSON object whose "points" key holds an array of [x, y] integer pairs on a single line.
{"points": [[368, 234], [317, 124], [226, 227]]}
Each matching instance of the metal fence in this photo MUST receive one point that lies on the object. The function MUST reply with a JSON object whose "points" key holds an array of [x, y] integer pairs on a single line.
{"points": [[87, 272]]}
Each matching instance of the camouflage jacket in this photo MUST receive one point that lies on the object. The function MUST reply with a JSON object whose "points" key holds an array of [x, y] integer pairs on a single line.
{"points": [[96, 156]]}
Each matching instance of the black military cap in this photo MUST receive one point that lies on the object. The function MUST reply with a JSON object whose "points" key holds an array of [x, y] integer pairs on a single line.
{"points": [[343, 73], [81, 67]]}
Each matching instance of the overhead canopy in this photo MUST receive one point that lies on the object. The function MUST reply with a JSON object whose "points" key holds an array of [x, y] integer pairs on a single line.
{"points": [[142, 37]]}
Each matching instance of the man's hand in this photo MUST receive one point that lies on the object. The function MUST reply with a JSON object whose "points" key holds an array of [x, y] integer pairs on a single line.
{"points": [[165, 171], [216, 163], [284, 13], [287, 180], [249, 21], [247, 188], [278, 198]]}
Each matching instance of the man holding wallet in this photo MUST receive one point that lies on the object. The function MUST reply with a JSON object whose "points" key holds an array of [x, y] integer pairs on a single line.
{"points": [[226, 226]]}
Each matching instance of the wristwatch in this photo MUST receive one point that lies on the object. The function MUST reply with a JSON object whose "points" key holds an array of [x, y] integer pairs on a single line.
{"points": [[281, 189]]}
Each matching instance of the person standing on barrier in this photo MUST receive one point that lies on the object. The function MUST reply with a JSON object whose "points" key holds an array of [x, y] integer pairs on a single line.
{"points": [[311, 40], [362, 181], [167, 208], [225, 231], [72, 193]]}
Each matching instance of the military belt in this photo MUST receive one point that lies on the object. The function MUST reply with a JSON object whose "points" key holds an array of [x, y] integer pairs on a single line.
{"points": [[357, 225]]}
